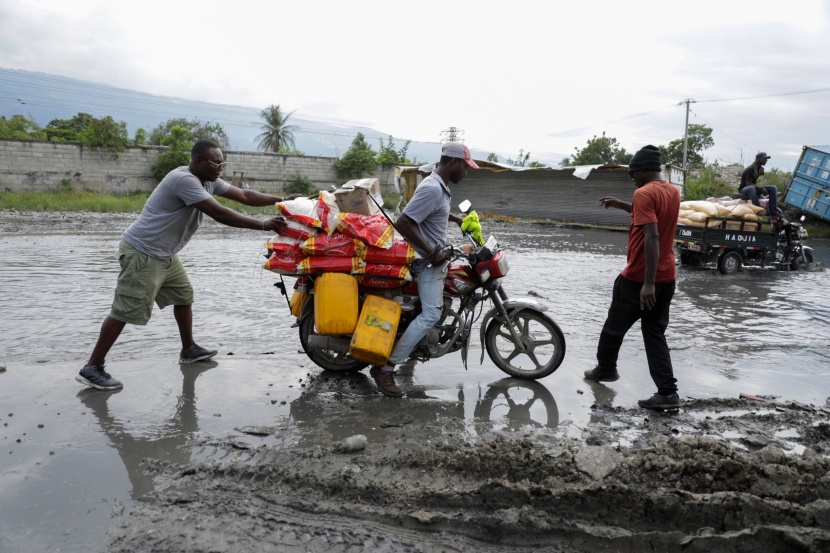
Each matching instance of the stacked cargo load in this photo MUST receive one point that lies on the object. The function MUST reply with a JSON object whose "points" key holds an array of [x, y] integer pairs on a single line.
{"points": [[724, 212], [354, 256]]}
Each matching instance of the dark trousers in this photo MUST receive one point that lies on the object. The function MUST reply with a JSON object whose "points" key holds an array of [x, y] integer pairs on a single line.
{"points": [[624, 312]]}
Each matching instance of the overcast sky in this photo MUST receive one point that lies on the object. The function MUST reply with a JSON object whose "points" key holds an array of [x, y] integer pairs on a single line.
{"points": [[540, 76]]}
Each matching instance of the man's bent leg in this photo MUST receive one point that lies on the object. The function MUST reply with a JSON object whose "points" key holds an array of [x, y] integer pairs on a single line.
{"points": [[624, 312], [110, 331], [184, 320], [654, 324], [772, 205], [431, 292], [752, 193]]}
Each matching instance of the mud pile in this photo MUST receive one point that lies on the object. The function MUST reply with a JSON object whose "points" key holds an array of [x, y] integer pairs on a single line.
{"points": [[720, 475]]}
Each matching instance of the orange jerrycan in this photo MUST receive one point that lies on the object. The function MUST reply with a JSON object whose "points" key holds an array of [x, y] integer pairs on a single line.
{"points": [[335, 303], [374, 335]]}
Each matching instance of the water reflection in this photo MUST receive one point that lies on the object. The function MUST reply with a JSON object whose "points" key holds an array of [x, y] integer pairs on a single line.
{"points": [[520, 404], [168, 442], [336, 406]]}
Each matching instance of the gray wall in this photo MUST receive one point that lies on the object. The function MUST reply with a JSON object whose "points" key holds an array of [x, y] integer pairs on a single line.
{"points": [[41, 166], [547, 195]]}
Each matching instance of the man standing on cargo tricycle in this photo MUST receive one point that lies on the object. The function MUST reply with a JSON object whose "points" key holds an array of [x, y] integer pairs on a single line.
{"points": [[423, 224], [750, 187]]}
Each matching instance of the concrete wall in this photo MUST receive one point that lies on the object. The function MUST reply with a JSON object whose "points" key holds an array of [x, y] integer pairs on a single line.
{"points": [[547, 195], [41, 166]]}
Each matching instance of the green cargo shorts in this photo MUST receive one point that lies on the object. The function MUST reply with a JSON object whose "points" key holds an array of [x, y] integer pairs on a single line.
{"points": [[144, 280]]}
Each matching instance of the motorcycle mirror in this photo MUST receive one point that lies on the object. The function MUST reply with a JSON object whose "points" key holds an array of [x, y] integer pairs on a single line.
{"points": [[802, 217], [465, 206]]}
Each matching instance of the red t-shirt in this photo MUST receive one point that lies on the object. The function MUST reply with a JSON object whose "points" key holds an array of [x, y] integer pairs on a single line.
{"points": [[656, 202]]}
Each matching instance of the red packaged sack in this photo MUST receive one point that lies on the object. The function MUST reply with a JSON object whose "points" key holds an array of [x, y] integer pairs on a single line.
{"points": [[301, 210], [316, 264], [384, 270], [297, 230], [374, 230], [334, 245], [327, 211], [398, 253], [285, 262], [282, 244]]}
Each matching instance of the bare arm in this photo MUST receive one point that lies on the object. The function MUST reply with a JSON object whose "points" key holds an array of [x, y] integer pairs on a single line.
{"points": [[231, 218], [609, 201], [254, 198], [455, 219], [409, 230], [652, 250]]}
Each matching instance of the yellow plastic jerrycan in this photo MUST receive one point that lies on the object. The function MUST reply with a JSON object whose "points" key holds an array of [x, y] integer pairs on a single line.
{"points": [[298, 301], [374, 335], [335, 303]]}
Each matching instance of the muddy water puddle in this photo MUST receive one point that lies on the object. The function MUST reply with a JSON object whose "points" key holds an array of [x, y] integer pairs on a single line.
{"points": [[71, 459]]}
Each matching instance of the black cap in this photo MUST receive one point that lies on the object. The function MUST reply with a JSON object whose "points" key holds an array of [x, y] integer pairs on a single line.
{"points": [[760, 155], [647, 157]]}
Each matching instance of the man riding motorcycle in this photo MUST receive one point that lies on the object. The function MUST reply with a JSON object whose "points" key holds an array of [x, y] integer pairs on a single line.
{"points": [[423, 224]]}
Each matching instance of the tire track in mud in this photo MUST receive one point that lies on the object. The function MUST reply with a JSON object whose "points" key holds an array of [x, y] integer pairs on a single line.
{"points": [[680, 486]]}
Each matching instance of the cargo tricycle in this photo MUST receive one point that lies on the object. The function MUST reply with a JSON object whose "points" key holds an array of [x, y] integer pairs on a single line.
{"points": [[730, 244]]}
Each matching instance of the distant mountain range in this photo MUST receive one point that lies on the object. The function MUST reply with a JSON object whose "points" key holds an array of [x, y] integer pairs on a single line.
{"points": [[45, 97]]}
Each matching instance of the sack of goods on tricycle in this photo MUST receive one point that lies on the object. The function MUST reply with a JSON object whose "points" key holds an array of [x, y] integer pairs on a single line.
{"points": [[354, 293], [732, 235]]}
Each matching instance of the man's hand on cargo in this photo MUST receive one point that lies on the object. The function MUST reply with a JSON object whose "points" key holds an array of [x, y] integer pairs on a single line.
{"points": [[277, 224]]}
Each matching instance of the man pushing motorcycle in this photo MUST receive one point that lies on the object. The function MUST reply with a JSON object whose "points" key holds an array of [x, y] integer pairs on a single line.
{"points": [[423, 224]]}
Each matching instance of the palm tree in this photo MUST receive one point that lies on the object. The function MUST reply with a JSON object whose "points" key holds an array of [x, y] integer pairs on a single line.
{"points": [[276, 132]]}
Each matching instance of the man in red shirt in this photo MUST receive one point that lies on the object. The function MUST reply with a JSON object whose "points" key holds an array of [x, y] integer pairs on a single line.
{"points": [[644, 289]]}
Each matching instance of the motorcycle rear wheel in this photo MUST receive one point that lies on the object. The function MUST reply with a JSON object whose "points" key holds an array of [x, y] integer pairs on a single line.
{"points": [[541, 337], [334, 361]]}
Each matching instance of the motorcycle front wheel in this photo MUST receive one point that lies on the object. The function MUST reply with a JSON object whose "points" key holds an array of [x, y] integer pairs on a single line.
{"points": [[797, 263], [329, 360], [542, 341]]}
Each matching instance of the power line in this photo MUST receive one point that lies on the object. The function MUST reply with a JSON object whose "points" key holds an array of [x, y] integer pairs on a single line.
{"points": [[766, 95]]}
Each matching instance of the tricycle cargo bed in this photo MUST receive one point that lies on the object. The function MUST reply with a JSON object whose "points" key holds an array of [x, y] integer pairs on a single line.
{"points": [[731, 233]]}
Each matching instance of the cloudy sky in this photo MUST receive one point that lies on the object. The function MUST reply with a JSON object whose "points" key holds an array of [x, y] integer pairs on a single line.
{"points": [[539, 76]]}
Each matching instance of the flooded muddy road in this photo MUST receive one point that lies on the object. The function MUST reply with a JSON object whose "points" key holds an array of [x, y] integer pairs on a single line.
{"points": [[246, 452]]}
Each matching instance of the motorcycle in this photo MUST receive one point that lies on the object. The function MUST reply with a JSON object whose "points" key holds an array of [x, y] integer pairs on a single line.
{"points": [[517, 334]]}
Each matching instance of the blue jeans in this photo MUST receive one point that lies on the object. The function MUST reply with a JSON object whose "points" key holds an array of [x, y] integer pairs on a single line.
{"points": [[772, 205], [431, 292]]}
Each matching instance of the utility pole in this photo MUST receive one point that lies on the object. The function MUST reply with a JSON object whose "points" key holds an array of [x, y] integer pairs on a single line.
{"points": [[452, 134], [687, 101]]}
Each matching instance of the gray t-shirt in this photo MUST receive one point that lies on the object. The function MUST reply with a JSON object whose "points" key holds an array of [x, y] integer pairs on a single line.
{"points": [[168, 219], [430, 209]]}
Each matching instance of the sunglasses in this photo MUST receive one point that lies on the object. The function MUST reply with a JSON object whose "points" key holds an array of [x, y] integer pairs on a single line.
{"points": [[217, 165]]}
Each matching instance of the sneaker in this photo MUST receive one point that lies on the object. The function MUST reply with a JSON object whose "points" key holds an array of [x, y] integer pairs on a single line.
{"points": [[659, 402], [196, 353], [96, 377], [385, 381], [602, 375]]}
